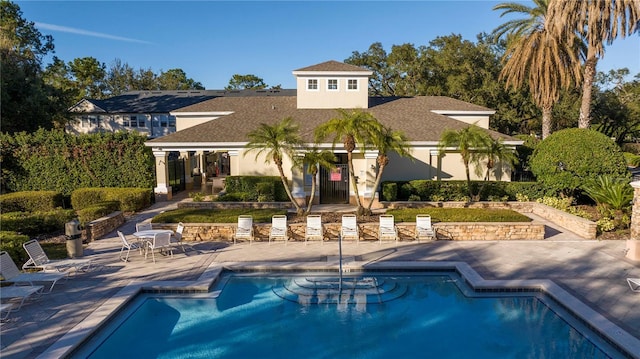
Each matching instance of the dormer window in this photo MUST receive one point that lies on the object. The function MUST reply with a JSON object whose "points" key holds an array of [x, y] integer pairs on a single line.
{"points": [[332, 85], [312, 85], [352, 85]]}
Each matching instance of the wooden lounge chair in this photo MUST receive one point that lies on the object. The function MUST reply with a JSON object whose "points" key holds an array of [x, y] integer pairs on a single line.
{"points": [[10, 272]]}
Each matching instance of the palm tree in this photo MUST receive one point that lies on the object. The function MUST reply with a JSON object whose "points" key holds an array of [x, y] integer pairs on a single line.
{"points": [[352, 128], [313, 159], [276, 141], [387, 140], [533, 55], [495, 152], [467, 141], [598, 22]]}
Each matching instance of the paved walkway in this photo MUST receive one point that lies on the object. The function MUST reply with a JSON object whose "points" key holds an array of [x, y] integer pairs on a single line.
{"points": [[593, 271]]}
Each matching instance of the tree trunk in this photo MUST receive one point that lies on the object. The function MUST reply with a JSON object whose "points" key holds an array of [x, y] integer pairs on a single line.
{"points": [[352, 175], [587, 87], [375, 186], [283, 178], [313, 193], [546, 121]]}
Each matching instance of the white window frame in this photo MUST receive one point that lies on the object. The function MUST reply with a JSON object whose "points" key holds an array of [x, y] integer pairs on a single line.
{"points": [[317, 85], [357, 83], [329, 84]]}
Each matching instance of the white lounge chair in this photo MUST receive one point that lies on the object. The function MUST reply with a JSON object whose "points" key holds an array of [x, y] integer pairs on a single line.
{"points": [[10, 272], [143, 226], [634, 284], [424, 229], [18, 293], [314, 229], [38, 260], [128, 246], [387, 228], [6, 309], [349, 228], [279, 229], [160, 241], [244, 229], [176, 238]]}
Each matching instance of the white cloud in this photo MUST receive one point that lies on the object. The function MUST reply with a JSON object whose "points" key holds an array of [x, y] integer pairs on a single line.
{"points": [[71, 30]]}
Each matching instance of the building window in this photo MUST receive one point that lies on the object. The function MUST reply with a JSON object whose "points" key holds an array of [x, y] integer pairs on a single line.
{"points": [[89, 121], [352, 84], [172, 121], [312, 84], [332, 84]]}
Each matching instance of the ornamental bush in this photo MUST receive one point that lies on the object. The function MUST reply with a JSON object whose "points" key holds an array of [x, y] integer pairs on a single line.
{"points": [[567, 158]]}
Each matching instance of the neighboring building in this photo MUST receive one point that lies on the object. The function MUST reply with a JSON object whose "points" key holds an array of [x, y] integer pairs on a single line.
{"points": [[147, 112], [216, 147]]}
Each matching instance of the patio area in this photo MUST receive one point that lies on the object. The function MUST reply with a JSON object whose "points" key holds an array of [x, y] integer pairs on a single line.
{"points": [[593, 271]]}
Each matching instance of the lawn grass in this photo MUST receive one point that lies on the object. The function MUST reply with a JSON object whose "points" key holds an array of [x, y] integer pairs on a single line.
{"points": [[459, 215], [188, 215]]}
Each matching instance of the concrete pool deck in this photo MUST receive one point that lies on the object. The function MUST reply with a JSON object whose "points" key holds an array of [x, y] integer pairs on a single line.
{"points": [[593, 271]]}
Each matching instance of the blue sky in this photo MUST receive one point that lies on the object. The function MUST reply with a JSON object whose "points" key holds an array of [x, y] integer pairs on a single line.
{"points": [[213, 40]]}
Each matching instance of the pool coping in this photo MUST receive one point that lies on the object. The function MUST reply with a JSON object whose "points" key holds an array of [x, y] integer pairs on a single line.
{"points": [[591, 318]]}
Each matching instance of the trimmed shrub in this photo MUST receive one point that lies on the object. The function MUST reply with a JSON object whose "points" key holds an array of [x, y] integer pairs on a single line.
{"points": [[565, 159], [36, 223], [30, 201], [253, 186], [96, 211], [130, 199], [11, 242], [389, 191]]}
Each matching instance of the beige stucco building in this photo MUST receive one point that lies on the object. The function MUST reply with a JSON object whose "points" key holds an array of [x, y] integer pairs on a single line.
{"points": [[214, 136]]}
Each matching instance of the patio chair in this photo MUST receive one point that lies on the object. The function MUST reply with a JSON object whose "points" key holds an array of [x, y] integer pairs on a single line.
{"points": [[314, 229], [18, 293], [634, 284], [424, 230], [143, 226], [160, 241], [349, 228], [387, 228], [279, 230], [38, 260], [244, 229], [10, 272], [128, 246], [176, 238]]}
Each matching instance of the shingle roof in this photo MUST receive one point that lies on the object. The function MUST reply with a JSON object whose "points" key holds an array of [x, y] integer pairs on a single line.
{"points": [[333, 66], [166, 101], [412, 115]]}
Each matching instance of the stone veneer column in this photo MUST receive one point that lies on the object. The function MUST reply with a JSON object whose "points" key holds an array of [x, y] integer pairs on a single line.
{"points": [[633, 244]]}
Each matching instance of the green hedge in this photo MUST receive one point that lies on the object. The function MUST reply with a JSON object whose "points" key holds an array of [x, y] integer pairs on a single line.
{"points": [[62, 162], [30, 201], [36, 223], [130, 199], [96, 211], [254, 188], [437, 191], [11, 242]]}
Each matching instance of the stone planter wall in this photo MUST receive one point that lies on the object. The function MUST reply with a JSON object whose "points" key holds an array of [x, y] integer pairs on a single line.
{"points": [[369, 231], [101, 226], [578, 225]]}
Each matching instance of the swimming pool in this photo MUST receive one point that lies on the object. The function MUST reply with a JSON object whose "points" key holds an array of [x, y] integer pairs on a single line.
{"points": [[401, 315]]}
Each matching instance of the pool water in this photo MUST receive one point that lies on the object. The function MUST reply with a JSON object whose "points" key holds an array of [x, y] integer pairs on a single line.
{"points": [[432, 318]]}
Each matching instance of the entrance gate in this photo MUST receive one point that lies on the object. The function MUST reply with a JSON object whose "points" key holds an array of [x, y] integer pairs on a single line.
{"points": [[334, 185]]}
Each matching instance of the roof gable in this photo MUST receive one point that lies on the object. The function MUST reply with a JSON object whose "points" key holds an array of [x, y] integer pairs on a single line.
{"points": [[332, 66]]}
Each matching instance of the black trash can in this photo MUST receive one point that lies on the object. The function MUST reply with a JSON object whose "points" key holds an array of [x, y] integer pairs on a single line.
{"points": [[74, 240]]}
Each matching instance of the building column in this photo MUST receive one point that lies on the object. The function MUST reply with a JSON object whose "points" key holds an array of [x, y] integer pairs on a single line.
{"points": [[188, 171], [633, 243], [162, 190], [370, 173]]}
